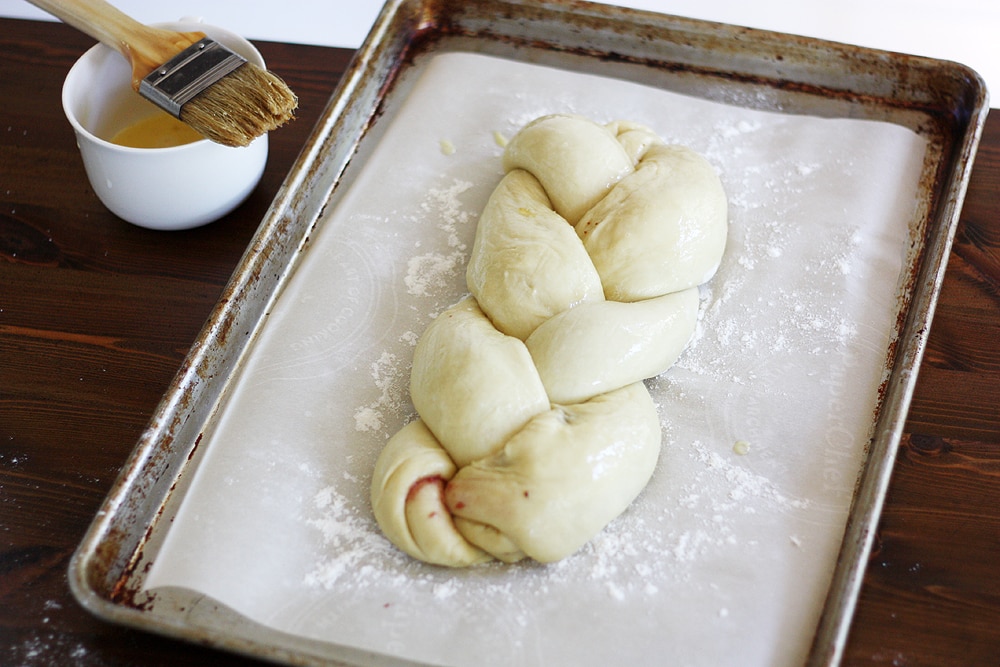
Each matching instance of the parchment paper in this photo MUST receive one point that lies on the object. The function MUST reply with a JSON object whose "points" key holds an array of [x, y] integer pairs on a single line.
{"points": [[726, 557]]}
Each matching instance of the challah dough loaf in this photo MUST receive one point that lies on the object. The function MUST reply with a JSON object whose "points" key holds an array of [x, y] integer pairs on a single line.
{"points": [[535, 429]]}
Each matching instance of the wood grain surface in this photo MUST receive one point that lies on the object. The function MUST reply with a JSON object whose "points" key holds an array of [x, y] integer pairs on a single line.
{"points": [[97, 315]]}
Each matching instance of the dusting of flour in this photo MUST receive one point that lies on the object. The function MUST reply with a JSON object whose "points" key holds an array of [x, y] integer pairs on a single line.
{"points": [[427, 272], [430, 276], [390, 378]]}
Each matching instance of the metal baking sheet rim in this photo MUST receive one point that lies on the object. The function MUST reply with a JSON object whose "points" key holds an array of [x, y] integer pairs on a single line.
{"points": [[944, 100]]}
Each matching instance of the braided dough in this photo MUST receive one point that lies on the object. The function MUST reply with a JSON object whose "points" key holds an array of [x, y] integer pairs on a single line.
{"points": [[535, 429]]}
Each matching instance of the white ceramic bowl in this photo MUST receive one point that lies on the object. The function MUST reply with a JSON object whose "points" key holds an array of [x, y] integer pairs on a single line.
{"points": [[160, 188]]}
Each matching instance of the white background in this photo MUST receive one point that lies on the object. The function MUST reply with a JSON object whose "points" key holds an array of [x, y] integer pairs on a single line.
{"points": [[965, 31]]}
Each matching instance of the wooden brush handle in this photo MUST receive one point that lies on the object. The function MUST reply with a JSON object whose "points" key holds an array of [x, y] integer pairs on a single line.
{"points": [[146, 48]]}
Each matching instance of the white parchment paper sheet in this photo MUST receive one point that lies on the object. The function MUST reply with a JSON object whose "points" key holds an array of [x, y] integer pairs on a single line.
{"points": [[726, 557]]}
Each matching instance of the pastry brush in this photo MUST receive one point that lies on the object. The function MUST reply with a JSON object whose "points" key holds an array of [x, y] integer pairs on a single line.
{"points": [[194, 78]]}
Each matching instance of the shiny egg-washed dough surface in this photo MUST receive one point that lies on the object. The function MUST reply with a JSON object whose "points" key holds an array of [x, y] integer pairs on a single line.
{"points": [[535, 429]]}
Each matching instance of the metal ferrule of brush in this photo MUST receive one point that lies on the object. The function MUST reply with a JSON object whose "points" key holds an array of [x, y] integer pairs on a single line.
{"points": [[187, 74]]}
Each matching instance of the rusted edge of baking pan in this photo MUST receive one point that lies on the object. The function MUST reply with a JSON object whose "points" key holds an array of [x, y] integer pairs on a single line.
{"points": [[945, 102]]}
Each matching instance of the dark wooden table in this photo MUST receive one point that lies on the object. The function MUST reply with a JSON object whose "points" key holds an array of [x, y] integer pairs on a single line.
{"points": [[96, 316]]}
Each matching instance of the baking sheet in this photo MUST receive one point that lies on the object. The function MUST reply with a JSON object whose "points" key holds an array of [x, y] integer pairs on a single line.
{"points": [[727, 558], [806, 265]]}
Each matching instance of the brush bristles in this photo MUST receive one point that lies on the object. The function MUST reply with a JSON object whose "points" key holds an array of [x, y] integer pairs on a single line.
{"points": [[241, 106]]}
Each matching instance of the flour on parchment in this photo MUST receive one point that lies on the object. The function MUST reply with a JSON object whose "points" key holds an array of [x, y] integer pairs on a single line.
{"points": [[429, 277]]}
